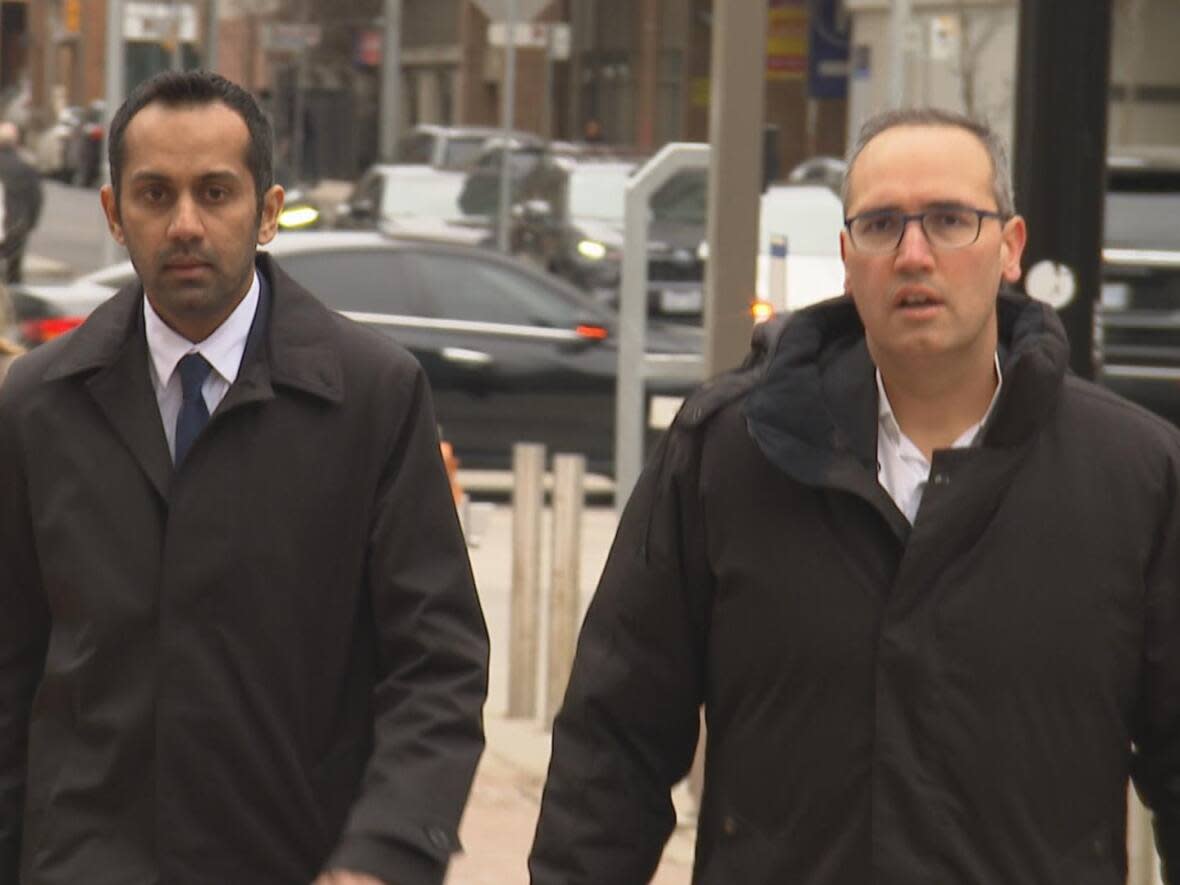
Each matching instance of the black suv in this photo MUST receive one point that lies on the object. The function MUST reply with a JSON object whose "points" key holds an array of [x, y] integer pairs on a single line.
{"points": [[1137, 323], [568, 219]]}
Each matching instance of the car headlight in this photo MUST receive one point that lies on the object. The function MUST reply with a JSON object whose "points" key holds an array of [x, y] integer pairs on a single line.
{"points": [[591, 250], [298, 216]]}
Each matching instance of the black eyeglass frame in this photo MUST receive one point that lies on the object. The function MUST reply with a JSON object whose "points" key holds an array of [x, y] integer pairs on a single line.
{"points": [[920, 217]]}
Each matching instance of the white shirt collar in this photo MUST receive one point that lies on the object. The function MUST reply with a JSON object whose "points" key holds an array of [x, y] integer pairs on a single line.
{"points": [[902, 469], [887, 421], [223, 349]]}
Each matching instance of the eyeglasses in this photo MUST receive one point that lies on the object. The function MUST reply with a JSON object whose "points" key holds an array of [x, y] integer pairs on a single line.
{"points": [[945, 227]]}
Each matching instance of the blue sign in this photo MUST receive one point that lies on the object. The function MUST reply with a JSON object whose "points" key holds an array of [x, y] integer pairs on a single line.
{"points": [[827, 55]]}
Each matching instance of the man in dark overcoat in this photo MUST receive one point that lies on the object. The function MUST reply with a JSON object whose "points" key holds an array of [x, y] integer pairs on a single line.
{"points": [[240, 640], [924, 582]]}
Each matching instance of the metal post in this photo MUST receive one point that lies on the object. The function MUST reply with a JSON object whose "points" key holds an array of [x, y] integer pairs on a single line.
{"points": [[565, 581], [211, 43], [735, 132], [528, 470], [391, 80], [298, 129], [1063, 71], [899, 55], [547, 109], [634, 366], [114, 97], [509, 122], [176, 62]]}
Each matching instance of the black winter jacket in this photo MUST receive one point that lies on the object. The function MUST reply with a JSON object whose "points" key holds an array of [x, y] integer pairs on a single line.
{"points": [[956, 703]]}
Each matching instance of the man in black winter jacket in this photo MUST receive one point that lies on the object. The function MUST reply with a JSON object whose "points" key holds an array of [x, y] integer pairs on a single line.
{"points": [[22, 202], [924, 582]]}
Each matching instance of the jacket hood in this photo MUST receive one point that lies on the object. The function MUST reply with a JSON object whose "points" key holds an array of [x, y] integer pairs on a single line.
{"points": [[814, 411]]}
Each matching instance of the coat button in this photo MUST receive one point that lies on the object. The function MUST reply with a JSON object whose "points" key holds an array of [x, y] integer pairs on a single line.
{"points": [[941, 479], [438, 838], [729, 826], [1099, 848]]}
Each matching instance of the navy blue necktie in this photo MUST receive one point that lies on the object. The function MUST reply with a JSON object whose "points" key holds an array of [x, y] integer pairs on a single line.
{"points": [[194, 414]]}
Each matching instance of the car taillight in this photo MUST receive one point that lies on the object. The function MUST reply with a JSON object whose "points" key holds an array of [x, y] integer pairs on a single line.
{"points": [[40, 331], [592, 333], [94, 132]]}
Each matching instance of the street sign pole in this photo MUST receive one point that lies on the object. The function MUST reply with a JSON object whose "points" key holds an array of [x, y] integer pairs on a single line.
{"points": [[736, 117], [391, 80], [114, 98], [509, 85]]}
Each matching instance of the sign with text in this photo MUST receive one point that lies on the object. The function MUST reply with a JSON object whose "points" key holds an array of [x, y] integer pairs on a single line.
{"points": [[786, 40], [159, 22], [279, 37]]}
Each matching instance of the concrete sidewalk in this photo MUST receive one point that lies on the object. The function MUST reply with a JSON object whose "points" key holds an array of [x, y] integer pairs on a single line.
{"points": [[498, 827]]}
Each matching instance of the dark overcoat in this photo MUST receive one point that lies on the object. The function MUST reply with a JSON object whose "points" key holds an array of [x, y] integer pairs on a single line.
{"points": [[956, 702], [265, 662]]}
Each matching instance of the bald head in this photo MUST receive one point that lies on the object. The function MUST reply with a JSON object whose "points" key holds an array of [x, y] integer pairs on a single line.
{"points": [[9, 135]]}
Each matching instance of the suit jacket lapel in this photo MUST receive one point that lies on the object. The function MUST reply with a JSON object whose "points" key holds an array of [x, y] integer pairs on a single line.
{"points": [[122, 390]]}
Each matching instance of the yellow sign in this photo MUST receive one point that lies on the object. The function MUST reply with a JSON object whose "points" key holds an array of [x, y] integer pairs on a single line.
{"points": [[72, 16], [786, 40]]}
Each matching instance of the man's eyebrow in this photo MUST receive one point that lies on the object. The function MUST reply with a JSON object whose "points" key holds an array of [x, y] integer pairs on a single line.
{"points": [[212, 175]]}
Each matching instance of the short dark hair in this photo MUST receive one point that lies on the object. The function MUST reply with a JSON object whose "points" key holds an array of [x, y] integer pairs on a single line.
{"points": [[926, 116], [191, 88]]}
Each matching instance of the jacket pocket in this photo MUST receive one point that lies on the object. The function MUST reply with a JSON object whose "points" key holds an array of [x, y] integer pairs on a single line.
{"points": [[1098, 859], [743, 855]]}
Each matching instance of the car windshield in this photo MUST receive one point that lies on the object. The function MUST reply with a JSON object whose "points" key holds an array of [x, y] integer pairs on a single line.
{"points": [[684, 199], [433, 196]]}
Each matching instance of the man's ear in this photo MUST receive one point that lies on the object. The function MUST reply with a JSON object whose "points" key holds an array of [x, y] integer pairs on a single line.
{"points": [[107, 197], [1013, 239], [272, 205]]}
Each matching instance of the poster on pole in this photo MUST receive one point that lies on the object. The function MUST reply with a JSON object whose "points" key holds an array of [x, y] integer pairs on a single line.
{"points": [[786, 40]]}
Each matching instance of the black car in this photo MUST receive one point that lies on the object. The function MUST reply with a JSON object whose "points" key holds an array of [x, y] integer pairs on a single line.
{"points": [[568, 218], [1137, 323], [512, 354]]}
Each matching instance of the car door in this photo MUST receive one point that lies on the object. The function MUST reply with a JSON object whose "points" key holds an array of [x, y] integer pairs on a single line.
{"points": [[516, 357]]}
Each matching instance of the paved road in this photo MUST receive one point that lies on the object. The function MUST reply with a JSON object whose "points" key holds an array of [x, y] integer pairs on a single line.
{"points": [[72, 229]]}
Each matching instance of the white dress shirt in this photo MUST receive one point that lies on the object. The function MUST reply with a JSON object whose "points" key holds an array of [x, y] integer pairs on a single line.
{"points": [[223, 351], [902, 469]]}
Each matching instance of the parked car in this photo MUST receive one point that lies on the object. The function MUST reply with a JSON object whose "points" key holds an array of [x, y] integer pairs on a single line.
{"points": [[568, 218], [512, 354], [411, 201], [84, 146], [1137, 322], [450, 147], [51, 147]]}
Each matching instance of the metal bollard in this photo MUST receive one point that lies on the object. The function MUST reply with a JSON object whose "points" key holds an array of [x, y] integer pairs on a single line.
{"points": [[528, 470], [564, 610]]}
